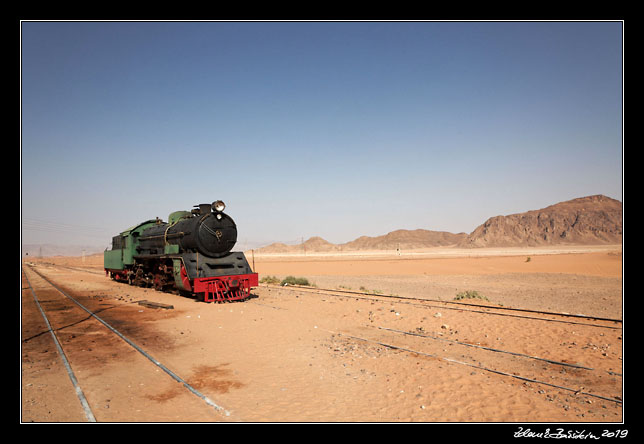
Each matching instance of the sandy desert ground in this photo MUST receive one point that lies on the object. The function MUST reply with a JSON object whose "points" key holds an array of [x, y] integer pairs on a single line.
{"points": [[301, 355]]}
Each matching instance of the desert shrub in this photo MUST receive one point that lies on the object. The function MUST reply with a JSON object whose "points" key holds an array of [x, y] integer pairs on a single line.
{"points": [[269, 280], [470, 294], [292, 280], [366, 290]]}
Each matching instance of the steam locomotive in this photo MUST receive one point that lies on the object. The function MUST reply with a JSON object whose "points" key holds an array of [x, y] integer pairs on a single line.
{"points": [[190, 253]]}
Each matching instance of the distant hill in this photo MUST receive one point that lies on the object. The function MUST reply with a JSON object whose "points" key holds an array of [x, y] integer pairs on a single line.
{"points": [[46, 250], [403, 239], [588, 220], [315, 243]]}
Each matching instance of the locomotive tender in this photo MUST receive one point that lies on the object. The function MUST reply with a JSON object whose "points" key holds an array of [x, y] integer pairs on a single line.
{"points": [[191, 252]]}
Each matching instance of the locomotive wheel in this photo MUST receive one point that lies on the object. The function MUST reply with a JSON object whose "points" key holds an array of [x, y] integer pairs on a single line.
{"points": [[158, 282], [139, 278], [149, 280]]}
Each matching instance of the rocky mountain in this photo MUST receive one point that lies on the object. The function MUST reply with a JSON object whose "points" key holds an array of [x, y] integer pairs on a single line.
{"points": [[584, 221], [590, 220]]}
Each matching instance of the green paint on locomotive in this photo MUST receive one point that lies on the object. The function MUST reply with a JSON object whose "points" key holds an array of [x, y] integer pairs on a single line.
{"points": [[124, 247], [176, 272], [178, 215]]}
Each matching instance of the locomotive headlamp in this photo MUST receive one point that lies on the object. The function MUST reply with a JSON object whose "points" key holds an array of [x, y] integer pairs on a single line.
{"points": [[219, 205]]}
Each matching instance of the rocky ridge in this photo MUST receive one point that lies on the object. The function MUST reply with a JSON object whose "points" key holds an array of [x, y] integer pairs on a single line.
{"points": [[584, 221], [591, 220]]}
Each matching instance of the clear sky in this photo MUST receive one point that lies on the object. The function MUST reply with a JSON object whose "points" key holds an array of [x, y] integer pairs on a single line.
{"points": [[331, 129]]}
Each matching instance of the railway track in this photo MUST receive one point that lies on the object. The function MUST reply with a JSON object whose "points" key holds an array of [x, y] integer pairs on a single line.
{"points": [[582, 382], [565, 375], [60, 311], [539, 315], [570, 382], [549, 316]]}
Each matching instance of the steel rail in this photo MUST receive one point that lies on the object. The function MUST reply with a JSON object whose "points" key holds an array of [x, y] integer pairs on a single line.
{"points": [[527, 310], [550, 361], [173, 375], [77, 388], [482, 347], [84, 270], [372, 296], [535, 381]]}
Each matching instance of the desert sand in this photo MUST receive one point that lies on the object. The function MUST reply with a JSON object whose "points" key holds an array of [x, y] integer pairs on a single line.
{"points": [[298, 355]]}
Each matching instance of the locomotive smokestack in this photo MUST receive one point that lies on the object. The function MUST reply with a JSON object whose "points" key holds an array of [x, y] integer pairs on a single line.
{"points": [[205, 208]]}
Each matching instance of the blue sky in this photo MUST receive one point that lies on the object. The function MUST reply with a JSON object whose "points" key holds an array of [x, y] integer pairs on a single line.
{"points": [[334, 129]]}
